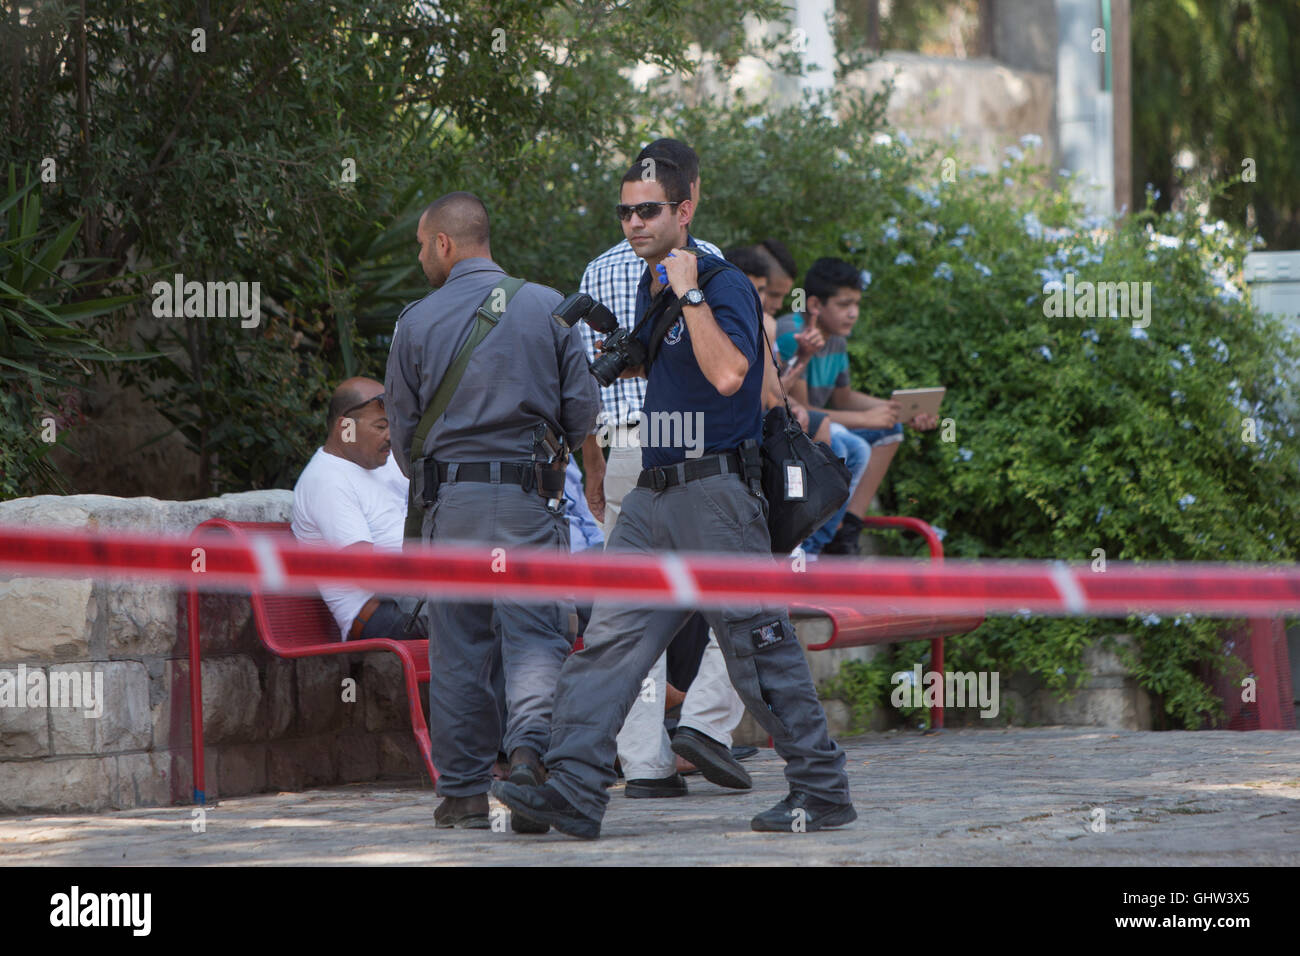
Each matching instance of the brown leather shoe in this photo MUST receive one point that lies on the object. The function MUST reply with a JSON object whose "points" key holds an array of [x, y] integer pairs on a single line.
{"points": [[526, 769], [466, 813]]}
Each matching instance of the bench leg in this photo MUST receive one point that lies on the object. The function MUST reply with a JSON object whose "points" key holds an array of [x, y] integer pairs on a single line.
{"points": [[196, 698], [418, 724], [936, 665]]}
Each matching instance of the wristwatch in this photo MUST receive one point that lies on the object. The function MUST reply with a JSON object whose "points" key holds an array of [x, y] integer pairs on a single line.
{"points": [[693, 297]]}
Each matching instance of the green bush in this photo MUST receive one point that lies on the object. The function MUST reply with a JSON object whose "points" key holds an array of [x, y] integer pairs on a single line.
{"points": [[1173, 441]]}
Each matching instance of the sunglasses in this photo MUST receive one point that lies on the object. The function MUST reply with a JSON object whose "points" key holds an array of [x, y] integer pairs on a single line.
{"points": [[377, 398], [646, 210]]}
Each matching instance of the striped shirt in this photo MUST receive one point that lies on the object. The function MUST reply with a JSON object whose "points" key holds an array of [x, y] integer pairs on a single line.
{"points": [[611, 279]]}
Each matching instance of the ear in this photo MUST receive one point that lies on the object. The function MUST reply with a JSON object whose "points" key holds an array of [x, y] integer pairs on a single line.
{"points": [[686, 212]]}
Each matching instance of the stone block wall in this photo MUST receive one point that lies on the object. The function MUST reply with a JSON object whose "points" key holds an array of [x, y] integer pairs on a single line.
{"points": [[269, 723]]}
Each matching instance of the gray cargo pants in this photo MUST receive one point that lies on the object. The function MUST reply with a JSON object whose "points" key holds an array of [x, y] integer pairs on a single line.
{"points": [[464, 709], [766, 664]]}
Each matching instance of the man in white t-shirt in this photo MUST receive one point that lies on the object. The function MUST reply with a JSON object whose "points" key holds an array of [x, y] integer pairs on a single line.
{"points": [[352, 495]]}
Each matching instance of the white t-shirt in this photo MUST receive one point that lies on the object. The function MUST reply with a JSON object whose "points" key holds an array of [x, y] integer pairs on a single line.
{"points": [[342, 503]]}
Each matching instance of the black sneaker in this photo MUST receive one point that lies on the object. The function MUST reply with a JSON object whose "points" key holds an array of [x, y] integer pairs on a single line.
{"points": [[848, 537], [801, 812], [544, 805], [655, 787], [713, 760], [526, 770]]}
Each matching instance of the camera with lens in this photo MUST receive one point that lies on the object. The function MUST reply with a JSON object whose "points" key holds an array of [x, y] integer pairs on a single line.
{"points": [[619, 351]]}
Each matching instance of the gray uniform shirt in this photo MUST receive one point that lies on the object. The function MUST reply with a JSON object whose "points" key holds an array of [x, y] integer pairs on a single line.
{"points": [[527, 370]]}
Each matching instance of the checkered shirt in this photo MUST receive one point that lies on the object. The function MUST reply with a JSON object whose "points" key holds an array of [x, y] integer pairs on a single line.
{"points": [[611, 279]]}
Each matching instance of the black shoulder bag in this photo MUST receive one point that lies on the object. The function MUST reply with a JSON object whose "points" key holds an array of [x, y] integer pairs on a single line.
{"points": [[803, 481]]}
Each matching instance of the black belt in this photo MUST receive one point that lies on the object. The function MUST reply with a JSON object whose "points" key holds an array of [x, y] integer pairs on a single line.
{"points": [[666, 477], [510, 472]]}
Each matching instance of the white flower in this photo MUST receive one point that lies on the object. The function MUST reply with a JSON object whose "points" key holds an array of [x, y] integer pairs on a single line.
{"points": [[1151, 620], [1135, 333], [982, 269], [1031, 141], [1045, 352], [1186, 500], [943, 271], [965, 454], [881, 139], [904, 259], [1091, 335], [1015, 153], [964, 229], [864, 280]]}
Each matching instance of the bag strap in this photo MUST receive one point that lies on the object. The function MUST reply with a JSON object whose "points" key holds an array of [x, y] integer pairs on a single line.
{"points": [[771, 350], [486, 318], [670, 315]]}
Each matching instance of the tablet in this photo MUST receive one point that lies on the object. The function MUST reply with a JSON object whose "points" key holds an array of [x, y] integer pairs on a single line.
{"points": [[918, 401]]}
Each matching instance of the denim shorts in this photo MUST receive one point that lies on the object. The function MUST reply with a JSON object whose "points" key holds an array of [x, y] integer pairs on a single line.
{"points": [[880, 436]]}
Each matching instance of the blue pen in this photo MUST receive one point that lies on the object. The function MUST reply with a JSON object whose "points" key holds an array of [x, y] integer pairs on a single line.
{"points": [[663, 273]]}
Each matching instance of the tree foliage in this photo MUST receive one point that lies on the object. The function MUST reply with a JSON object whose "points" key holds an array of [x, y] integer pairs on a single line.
{"points": [[1221, 81]]}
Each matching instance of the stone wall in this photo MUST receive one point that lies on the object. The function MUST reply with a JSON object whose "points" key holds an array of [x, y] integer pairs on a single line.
{"points": [[269, 723]]}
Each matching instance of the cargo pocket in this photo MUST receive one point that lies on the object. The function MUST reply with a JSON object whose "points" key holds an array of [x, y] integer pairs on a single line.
{"points": [[744, 649]]}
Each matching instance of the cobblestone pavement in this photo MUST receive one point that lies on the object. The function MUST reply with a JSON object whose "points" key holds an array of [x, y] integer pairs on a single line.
{"points": [[1013, 797]]}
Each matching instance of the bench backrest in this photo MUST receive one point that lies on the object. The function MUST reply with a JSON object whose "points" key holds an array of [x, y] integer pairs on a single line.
{"points": [[286, 623]]}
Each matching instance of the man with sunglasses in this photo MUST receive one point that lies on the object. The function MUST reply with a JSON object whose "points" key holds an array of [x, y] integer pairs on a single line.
{"points": [[710, 709], [708, 362], [353, 495]]}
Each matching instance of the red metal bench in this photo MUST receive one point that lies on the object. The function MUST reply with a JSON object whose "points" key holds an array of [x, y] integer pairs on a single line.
{"points": [[882, 624], [295, 626]]}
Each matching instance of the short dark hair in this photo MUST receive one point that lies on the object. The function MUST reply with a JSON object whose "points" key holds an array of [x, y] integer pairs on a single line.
{"points": [[827, 276], [340, 401], [676, 151], [748, 260], [777, 250], [460, 215], [673, 179]]}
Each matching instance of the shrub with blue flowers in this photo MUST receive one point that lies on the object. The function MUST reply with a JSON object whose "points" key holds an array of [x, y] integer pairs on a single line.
{"points": [[1112, 395]]}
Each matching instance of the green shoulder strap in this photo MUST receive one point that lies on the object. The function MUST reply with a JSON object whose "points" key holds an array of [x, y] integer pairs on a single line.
{"points": [[486, 317]]}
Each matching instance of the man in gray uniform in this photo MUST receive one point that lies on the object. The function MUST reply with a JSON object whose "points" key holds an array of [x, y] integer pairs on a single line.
{"points": [[527, 371], [709, 363]]}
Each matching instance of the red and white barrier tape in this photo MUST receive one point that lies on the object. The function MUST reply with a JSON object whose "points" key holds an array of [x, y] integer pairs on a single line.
{"points": [[276, 563]]}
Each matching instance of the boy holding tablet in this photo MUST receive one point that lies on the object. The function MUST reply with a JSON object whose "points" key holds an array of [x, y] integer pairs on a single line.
{"points": [[833, 293]]}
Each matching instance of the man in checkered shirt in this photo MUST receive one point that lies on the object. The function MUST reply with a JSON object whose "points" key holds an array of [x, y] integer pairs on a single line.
{"points": [[711, 706]]}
